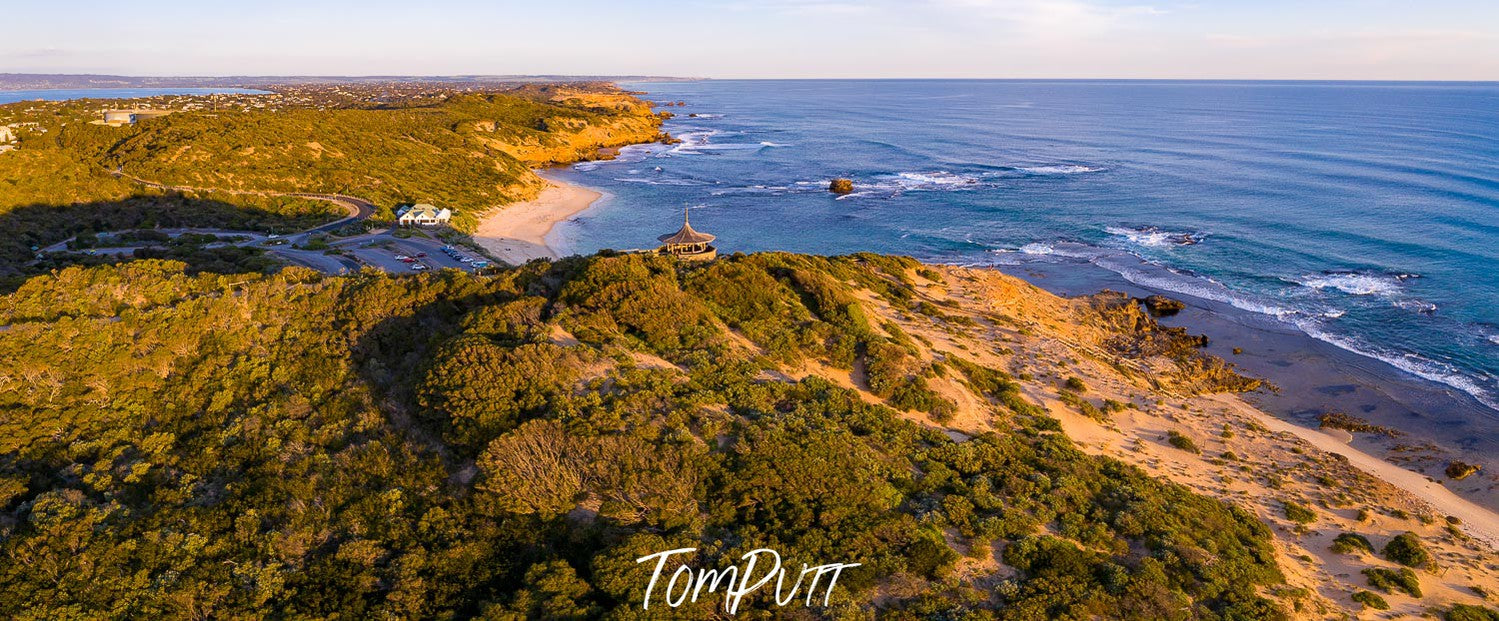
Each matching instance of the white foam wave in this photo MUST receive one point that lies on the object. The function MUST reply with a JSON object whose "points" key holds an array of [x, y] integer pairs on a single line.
{"points": [[701, 143], [1154, 237], [1419, 366], [1419, 306], [941, 178], [1064, 250], [1060, 169], [1198, 287], [670, 182], [1312, 322], [1355, 283]]}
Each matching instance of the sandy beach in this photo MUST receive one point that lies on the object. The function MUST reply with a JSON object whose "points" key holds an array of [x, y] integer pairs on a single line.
{"points": [[517, 233]]}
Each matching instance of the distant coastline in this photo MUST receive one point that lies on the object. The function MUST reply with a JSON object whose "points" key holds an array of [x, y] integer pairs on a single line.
{"points": [[45, 81]]}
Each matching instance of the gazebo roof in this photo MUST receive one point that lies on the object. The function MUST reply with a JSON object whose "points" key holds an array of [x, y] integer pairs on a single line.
{"points": [[686, 235]]}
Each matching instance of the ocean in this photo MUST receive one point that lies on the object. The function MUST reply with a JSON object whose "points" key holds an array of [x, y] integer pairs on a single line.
{"points": [[1362, 215]]}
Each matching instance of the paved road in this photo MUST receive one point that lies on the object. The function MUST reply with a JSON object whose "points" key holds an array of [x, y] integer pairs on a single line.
{"points": [[377, 248], [357, 208], [315, 259]]}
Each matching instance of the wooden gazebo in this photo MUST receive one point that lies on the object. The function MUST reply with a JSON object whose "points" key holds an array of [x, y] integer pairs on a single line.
{"points": [[688, 244]]}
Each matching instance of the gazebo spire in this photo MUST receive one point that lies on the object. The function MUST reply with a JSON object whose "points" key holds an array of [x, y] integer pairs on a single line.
{"points": [[687, 243]]}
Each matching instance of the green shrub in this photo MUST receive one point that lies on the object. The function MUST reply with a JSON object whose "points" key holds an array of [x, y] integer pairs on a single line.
{"points": [[1298, 513], [1075, 384], [1348, 543], [1083, 406], [1371, 600], [1178, 440], [1407, 550], [1468, 612], [1390, 580]]}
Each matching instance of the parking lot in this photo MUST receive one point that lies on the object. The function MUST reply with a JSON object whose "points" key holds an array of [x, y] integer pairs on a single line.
{"points": [[398, 255]]}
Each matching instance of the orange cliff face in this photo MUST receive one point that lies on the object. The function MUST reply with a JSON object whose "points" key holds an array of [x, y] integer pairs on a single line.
{"points": [[563, 139]]}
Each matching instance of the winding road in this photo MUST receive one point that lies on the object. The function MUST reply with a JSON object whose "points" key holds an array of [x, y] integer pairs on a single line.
{"points": [[378, 249], [358, 208]]}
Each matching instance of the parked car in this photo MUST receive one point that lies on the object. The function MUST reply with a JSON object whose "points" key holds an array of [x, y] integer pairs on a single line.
{"points": [[418, 267], [421, 255]]}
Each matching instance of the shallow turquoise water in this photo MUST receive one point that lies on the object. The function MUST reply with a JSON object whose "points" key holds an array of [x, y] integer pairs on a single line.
{"points": [[1364, 214]]}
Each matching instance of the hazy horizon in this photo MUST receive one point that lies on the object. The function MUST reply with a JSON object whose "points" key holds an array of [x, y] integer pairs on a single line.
{"points": [[1384, 40], [680, 78]]}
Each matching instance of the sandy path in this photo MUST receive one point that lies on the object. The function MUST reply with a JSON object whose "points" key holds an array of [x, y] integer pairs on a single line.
{"points": [[517, 233]]}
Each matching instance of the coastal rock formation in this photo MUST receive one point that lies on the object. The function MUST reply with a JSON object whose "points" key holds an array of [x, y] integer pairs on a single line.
{"points": [[841, 186], [1162, 306], [1354, 424], [1458, 470]]}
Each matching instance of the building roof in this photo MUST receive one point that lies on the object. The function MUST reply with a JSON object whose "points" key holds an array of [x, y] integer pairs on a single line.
{"points": [[686, 235], [424, 211]]}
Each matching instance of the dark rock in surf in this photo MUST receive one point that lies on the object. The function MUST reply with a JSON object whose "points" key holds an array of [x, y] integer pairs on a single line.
{"points": [[841, 186], [1162, 306], [1458, 471]]}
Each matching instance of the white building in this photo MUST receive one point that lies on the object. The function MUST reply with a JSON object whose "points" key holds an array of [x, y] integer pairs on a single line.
{"points": [[423, 215], [119, 117]]}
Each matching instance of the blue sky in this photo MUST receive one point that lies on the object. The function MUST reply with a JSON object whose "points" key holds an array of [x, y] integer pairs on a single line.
{"points": [[1308, 39]]}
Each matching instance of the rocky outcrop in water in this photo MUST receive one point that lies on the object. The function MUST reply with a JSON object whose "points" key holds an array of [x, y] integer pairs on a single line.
{"points": [[1162, 306], [1458, 471], [841, 186]]}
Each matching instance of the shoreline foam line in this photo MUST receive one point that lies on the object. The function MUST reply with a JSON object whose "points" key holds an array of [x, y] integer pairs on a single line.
{"points": [[516, 233]]}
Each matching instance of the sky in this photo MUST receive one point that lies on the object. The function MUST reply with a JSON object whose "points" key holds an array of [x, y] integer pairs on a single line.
{"points": [[1201, 39]]}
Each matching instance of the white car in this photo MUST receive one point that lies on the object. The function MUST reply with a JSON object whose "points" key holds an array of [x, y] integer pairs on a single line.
{"points": [[417, 267]]}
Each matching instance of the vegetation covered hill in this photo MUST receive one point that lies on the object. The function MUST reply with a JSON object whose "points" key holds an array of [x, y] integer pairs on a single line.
{"points": [[446, 446], [467, 151]]}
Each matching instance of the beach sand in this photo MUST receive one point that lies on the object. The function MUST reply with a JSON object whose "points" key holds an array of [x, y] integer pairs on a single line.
{"points": [[517, 233]]}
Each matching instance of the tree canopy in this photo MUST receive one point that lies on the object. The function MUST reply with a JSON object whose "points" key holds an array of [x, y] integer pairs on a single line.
{"points": [[451, 446]]}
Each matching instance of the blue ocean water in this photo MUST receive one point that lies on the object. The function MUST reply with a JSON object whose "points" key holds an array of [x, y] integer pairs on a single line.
{"points": [[1364, 214], [112, 93]]}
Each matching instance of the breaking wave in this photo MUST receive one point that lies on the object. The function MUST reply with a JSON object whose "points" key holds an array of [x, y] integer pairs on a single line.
{"points": [[1414, 364], [1060, 169], [1310, 318], [1356, 283], [1155, 237]]}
